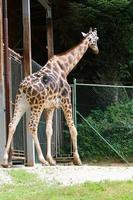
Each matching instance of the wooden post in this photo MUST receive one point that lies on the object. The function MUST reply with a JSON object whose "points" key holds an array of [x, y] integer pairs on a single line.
{"points": [[2, 100], [7, 70], [27, 64], [49, 25], [26, 38], [50, 47]]}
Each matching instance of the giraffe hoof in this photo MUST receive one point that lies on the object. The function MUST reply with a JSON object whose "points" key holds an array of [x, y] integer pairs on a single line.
{"points": [[51, 161], [6, 165], [77, 161], [45, 163]]}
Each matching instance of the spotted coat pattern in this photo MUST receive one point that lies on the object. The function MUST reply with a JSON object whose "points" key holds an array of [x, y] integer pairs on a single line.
{"points": [[47, 90]]}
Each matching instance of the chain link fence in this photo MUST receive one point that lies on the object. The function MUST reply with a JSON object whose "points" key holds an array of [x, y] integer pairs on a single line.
{"points": [[109, 110]]}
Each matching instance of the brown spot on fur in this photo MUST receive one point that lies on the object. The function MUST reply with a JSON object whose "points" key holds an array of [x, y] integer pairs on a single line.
{"points": [[61, 83], [86, 42], [36, 101], [55, 68], [64, 92], [28, 79], [60, 64], [56, 89], [50, 98], [64, 100], [63, 75], [48, 65], [51, 86], [50, 92], [24, 91], [34, 92], [38, 97], [29, 90], [19, 92], [32, 100]]}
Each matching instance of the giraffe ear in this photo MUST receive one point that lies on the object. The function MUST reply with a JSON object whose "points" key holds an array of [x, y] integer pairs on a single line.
{"points": [[84, 34]]}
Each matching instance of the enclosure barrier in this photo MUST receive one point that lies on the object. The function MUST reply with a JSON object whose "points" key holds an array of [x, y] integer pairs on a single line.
{"points": [[91, 97], [83, 101], [89, 124]]}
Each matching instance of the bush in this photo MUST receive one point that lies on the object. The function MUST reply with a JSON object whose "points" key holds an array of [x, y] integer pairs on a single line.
{"points": [[115, 124]]}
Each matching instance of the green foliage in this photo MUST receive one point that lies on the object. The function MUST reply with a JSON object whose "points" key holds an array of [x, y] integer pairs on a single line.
{"points": [[114, 21], [115, 124]]}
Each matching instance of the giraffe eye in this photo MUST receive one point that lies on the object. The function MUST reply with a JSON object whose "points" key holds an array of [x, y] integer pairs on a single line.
{"points": [[45, 79]]}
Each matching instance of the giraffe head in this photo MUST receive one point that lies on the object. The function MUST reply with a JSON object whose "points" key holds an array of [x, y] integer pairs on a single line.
{"points": [[92, 39]]}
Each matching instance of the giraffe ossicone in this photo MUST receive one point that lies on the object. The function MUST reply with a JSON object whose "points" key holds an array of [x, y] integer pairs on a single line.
{"points": [[47, 90]]}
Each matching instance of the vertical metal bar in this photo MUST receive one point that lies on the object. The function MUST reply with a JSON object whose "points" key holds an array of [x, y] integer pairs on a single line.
{"points": [[27, 71], [2, 99], [75, 101]]}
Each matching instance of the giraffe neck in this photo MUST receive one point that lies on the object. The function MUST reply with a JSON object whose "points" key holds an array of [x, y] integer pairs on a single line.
{"points": [[69, 59]]}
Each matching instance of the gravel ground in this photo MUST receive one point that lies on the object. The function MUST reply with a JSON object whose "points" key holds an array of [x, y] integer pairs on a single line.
{"points": [[4, 177], [69, 175]]}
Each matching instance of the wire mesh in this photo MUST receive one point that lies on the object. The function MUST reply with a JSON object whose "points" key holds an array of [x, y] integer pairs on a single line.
{"points": [[15, 79], [109, 109]]}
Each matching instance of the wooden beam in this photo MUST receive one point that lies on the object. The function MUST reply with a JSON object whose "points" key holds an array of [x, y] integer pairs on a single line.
{"points": [[49, 24], [26, 38], [2, 99], [7, 67], [27, 64]]}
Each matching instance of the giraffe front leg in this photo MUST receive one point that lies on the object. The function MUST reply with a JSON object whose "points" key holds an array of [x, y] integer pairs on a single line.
{"points": [[20, 108], [5, 163], [49, 131], [73, 132], [33, 125]]}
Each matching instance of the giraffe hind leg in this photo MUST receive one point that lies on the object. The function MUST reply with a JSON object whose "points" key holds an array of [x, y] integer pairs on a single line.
{"points": [[21, 106], [33, 126], [49, 131]]}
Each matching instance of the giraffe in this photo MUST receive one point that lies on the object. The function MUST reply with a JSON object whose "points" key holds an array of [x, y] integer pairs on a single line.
{"points": [[46, 90]]}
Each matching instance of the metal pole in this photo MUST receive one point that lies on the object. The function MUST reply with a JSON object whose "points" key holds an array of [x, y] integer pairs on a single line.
{"points": [[2, 100], [103, 138], [75, 101]]}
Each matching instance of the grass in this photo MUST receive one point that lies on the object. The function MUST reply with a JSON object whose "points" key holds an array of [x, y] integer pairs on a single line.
{"points": [[27, 186]]}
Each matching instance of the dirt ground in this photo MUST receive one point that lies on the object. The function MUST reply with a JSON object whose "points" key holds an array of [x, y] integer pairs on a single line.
{"points": [[69, 175]]}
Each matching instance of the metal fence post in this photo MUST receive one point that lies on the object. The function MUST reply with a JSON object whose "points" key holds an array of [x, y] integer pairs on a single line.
{"points": [[74, 102]]}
